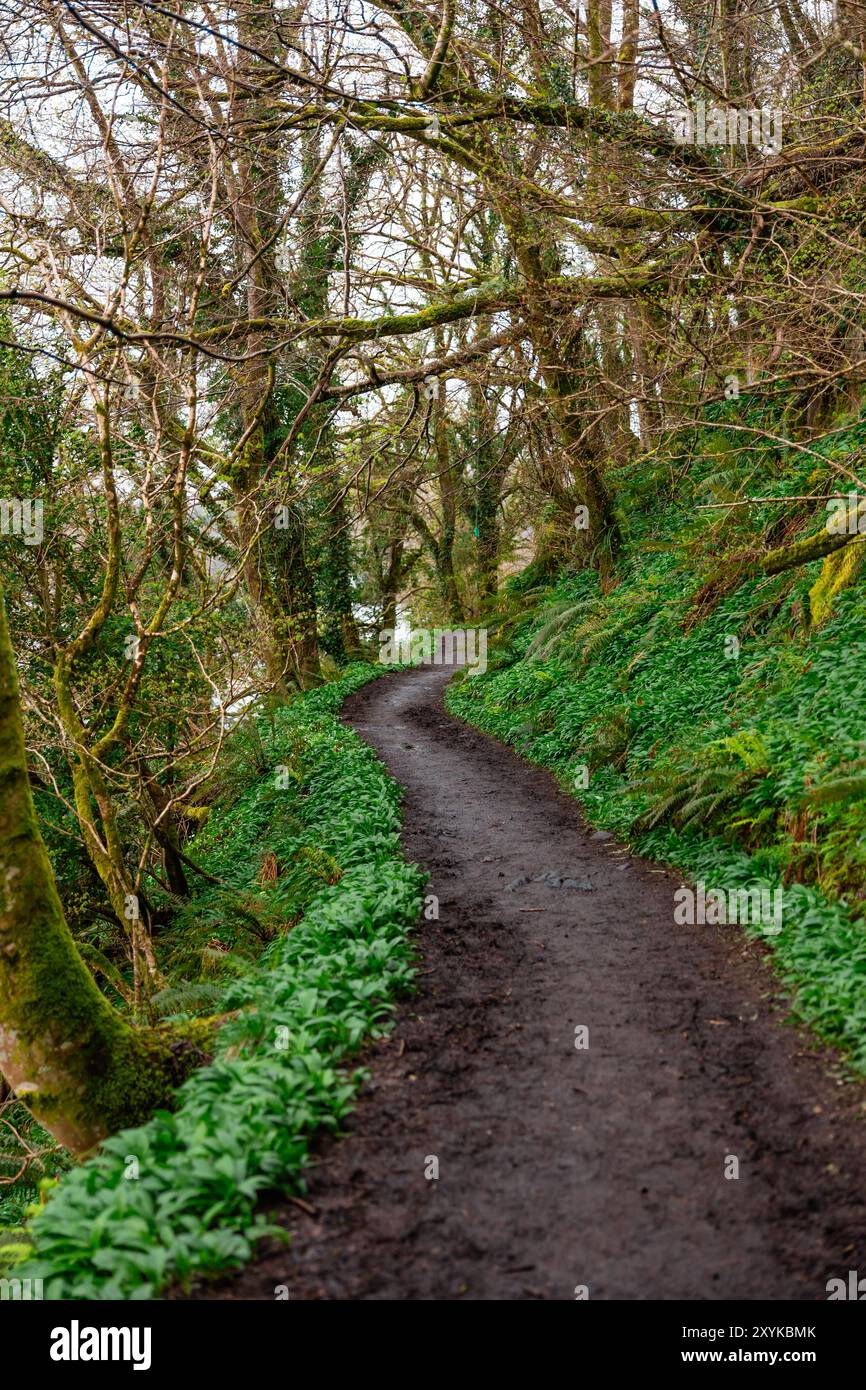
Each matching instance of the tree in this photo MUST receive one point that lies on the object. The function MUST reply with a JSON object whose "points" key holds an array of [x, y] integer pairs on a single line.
{"points": [[81, 1068]]}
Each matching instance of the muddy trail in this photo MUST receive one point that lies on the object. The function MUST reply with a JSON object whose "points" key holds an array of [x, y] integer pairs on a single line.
{"points": [[559, 1166]]}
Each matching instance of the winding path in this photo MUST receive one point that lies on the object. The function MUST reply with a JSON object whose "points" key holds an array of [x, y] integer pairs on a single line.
{"points": [[560, 1167]]}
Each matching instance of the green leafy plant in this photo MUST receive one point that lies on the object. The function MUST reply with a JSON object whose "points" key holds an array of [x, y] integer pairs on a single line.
{"points": [[176, 1198]]}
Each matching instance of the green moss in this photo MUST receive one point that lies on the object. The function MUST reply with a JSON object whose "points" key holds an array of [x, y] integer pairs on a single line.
{"points": [[838, 572]]}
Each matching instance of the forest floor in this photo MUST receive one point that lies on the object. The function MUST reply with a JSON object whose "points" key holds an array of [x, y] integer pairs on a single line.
{"points": [[561, 1167]]}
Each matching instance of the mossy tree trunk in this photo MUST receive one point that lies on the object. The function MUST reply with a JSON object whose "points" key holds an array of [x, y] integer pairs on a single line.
{"points": [[270, 527], [557, 339], [802, 552], [492, 457], [340, 638], [82, 1070]]}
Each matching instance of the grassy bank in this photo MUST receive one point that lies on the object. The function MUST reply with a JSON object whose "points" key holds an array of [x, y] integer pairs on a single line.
{"points": [[308, 828]]}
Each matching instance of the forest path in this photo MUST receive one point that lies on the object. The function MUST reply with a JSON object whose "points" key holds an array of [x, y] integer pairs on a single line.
{"points": [[561, 1167]]}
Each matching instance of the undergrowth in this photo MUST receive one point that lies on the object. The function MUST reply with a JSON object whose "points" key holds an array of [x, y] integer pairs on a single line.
{"points": [[176, 1198], [698, 711]]}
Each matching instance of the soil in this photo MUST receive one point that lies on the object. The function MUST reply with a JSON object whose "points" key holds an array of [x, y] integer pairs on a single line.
{"points": [[561, 1166]]}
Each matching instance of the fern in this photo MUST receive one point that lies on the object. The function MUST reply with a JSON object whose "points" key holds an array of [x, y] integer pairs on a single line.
{"points": [[191, 997]]}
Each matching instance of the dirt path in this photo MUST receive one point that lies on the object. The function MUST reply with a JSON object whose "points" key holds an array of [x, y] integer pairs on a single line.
{"points": [[559, 1167]]}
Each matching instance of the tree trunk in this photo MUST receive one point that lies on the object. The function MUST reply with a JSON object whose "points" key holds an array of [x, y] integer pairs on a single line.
{"points": [[340, 636], [558, 342], [448, 483], [392, 577], [279, 578]]}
